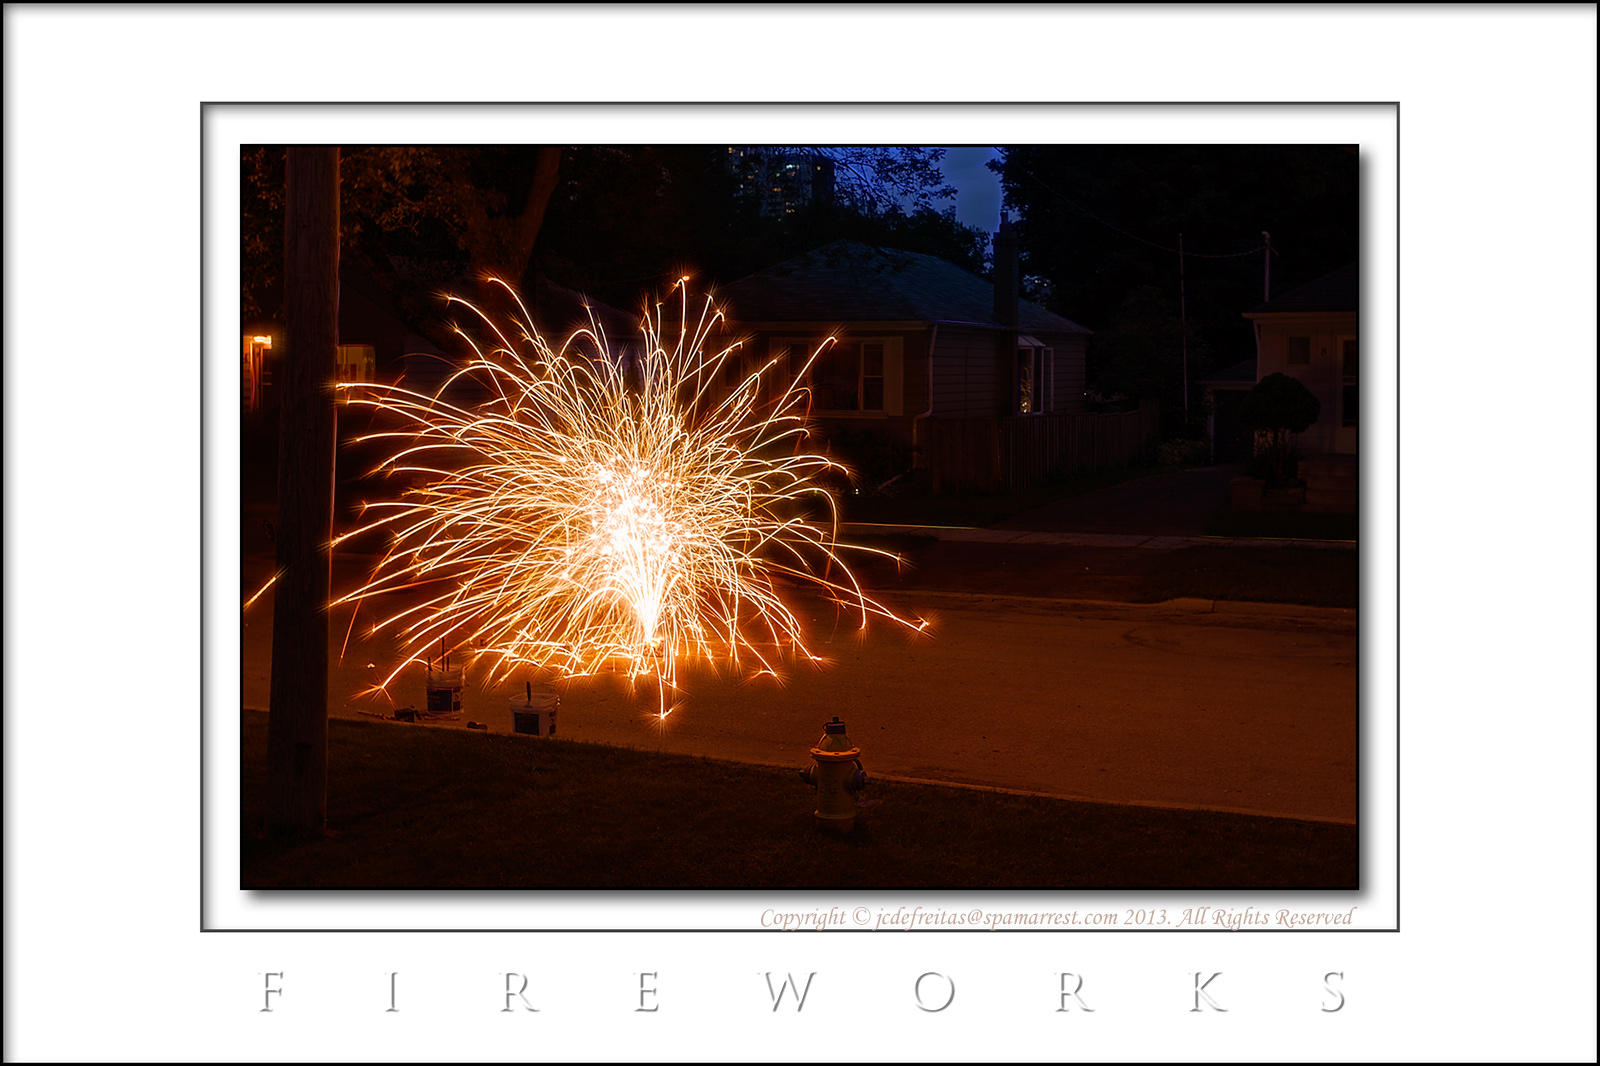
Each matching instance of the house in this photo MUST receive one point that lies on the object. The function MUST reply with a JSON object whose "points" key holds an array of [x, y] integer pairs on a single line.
{"points": [[374, 341], [377, 342], [933, 367], [1310, 333]]}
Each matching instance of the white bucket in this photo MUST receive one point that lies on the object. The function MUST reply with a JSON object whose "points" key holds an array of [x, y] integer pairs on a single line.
{"points": [[444, 693], [535, 713]]}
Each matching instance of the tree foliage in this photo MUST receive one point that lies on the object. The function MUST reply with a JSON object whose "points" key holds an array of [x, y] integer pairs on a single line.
{"points": [[483, 206], [610, 221], [624, 218], [1279, 401], [878, 180], [1140, 351], [1278, 406]]}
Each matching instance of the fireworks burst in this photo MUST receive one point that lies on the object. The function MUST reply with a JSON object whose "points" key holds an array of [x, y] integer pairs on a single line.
{"points": [[595, 508]]}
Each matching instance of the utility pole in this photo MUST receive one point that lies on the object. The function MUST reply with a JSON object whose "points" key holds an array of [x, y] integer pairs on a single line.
{"points": [[1266, 280], [1183, 332], [297, 728]]}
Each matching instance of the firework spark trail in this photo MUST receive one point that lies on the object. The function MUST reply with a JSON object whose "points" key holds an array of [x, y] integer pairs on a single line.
{"points": [[599, 509]]}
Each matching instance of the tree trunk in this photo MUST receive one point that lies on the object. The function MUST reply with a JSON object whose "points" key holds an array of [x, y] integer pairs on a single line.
{"points": [[526, 231], [504, 245], [297, 736]]}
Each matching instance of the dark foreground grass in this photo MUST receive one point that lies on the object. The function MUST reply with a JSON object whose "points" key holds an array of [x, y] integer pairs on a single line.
{"points": [[413, 806]]}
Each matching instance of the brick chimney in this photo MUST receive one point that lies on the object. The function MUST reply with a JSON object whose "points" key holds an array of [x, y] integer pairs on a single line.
{"points": [[1005, 275]]}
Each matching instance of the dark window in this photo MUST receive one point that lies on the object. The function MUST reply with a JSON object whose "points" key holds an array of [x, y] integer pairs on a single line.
{"points": [[872, 376], [787, 359], [836, 377], [1033, 380], [846, 376], [1299, 351]]}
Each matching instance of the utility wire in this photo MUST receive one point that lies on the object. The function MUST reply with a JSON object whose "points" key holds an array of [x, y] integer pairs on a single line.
{"points": [[1134, 236]]}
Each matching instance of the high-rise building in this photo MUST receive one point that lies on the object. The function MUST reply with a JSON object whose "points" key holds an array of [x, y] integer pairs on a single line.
{"points": [[781, 181]]}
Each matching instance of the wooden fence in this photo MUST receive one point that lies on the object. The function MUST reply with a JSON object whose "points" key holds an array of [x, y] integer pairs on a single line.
{"points": [[1008, 454]]}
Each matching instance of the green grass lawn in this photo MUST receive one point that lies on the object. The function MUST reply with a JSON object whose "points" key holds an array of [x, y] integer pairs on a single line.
{"points": [[413, 806]]}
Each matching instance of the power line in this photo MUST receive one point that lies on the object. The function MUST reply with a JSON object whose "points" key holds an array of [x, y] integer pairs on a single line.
{"points": [[1134, 236]]}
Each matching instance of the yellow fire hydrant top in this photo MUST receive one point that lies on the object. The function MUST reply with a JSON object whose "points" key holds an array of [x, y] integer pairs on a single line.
{"points": [[834, 745]]}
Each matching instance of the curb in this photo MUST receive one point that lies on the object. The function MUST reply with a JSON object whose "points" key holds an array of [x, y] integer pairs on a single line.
{"points": [[1157, 542]]}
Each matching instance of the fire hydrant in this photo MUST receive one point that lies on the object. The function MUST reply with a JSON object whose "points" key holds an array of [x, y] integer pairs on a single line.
{"points": [[837, 775]]}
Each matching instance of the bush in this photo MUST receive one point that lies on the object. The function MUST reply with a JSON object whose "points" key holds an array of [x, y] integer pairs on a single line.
{"points": [[1183, 453], [1276, 408], [1265, 464]]}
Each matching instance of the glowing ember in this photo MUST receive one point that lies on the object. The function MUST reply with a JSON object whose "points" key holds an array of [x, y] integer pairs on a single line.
{"points": [[599, 508]]}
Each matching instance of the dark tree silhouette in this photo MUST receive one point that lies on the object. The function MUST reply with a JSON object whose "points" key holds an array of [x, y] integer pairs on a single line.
{"points": [[483, 206], [610, 220]]}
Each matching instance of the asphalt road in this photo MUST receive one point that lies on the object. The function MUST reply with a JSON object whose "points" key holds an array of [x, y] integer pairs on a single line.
{"points": [[1233, 708]]}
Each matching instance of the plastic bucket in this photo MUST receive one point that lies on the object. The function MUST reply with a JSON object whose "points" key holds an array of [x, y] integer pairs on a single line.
{"points": [[535, 714], [444, 694]]}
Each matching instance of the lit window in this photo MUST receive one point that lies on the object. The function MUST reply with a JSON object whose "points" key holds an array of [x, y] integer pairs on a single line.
{"points": [[1034, 365]]}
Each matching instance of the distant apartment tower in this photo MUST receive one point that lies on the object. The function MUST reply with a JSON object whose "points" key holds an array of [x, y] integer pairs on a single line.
{"points": [[781, 181]]}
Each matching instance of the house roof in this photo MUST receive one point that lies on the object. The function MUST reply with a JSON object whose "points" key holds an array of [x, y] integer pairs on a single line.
{"points": [[1336, 291], [849, 281]]}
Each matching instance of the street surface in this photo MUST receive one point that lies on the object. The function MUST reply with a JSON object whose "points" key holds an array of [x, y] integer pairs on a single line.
{"points": [[1237, 707]]}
